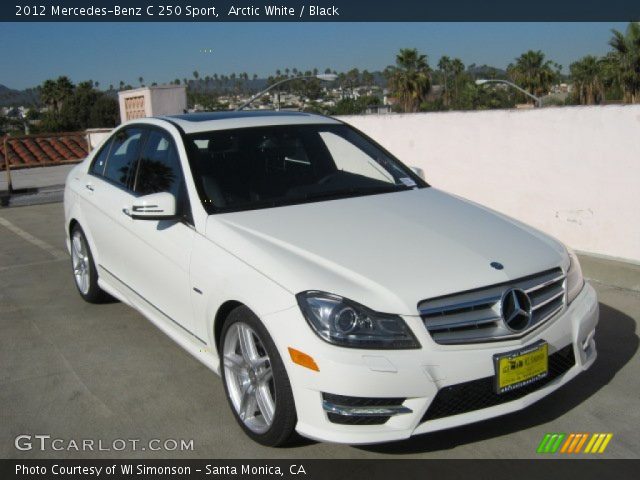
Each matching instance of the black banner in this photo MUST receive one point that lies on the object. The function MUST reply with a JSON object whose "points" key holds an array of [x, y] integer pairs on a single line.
{"points": [[539, 469], [317, 11]]}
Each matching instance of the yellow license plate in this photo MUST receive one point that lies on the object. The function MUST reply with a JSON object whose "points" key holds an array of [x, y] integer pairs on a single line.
{"points": [[521, 367]]}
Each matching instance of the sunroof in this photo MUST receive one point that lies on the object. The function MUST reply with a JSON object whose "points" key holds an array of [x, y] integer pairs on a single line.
{"points": [[207, 116]]}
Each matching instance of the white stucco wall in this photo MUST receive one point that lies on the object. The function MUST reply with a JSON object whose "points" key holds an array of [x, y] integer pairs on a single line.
{"points": [[573, 172]]}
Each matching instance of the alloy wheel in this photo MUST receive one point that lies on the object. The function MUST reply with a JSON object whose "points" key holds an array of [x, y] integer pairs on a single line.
{"points": [[80, 260], [249, 377]]}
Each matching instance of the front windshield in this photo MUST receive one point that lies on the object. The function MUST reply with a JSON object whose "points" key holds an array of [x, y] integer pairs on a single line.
{"points": [[262, 167]]}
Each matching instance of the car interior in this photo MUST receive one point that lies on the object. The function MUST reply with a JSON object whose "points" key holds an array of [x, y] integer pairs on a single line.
{"points": [[238, 167]]}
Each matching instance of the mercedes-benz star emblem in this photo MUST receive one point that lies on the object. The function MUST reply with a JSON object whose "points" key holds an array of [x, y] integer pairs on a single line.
{"points": [[516, 309]]}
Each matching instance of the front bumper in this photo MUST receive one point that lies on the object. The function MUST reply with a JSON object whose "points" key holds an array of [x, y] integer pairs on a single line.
{"points": [[417, 375]]}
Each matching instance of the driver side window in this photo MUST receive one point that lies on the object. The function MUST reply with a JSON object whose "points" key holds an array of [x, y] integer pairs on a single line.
{"points": [[159, 168]]}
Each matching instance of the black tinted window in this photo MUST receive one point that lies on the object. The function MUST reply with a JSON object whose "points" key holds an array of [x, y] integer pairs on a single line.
{"points": [[124, 150], [264, 167], [159, 169]]}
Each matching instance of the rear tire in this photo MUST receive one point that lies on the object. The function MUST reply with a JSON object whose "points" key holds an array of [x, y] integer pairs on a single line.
{"points": [[84, 268], [255, 380]]}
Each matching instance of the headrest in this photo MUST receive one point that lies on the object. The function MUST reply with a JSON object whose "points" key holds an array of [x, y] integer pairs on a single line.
{"points": [[221, 142]]}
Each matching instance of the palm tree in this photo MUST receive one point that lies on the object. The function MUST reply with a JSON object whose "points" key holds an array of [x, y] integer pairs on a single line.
{"points": [[64, 89], [54, 93], [626, 50], [444, 65], [532, 72], [588, 79], [409, 79], [121, 84], [48, 94], [457, 67], [367, 78]]}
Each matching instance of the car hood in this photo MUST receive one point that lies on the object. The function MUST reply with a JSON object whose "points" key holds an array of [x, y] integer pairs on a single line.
{"points": [[386, 251]]}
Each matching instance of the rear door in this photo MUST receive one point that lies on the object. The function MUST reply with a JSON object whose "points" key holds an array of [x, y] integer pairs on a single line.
{"points": [[106, 196]]}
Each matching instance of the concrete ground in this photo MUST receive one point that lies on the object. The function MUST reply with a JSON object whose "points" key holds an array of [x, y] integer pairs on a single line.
{"points": [[78, 371]]}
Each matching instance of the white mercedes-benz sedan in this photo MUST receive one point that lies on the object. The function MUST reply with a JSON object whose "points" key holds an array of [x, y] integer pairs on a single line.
{"points": [[336, 293]]}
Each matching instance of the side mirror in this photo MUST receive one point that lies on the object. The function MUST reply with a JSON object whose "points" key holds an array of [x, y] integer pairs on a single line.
{"points": [[156, 206], [418, 171]]}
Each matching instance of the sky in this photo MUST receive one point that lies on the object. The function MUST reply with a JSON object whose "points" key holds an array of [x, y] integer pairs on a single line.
{"points": [[161, 52]]}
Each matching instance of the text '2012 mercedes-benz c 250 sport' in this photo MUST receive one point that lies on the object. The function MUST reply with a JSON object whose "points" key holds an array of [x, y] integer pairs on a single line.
{"points": [[336, 293]]}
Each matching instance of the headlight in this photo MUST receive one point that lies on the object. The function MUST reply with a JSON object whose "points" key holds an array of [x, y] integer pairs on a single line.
{"points": [[346, 323], [575, 282]]}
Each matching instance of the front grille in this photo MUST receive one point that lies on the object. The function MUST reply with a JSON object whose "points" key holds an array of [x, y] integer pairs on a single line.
{"points": [[475, 316], [479, 394], [347, 401]]}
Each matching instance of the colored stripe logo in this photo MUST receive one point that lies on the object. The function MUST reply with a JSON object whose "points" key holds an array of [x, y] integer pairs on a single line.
{"points": [[574, 443]]}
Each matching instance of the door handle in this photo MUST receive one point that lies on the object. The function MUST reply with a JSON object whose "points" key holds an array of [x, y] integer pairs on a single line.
{"points": [[89, 187]]}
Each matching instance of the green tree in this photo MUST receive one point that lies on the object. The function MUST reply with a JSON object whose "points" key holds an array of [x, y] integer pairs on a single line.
{"points": [[457, 69], [54, 93], [367, 78], [79, 108], [588, 80], [49, 95], [409, 80], [444, 65], [533, 73], [350, 106], [104, 112], [626, 51]]}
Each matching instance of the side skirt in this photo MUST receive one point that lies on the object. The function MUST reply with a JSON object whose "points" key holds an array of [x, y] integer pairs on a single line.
{"points": [[192, 344]]}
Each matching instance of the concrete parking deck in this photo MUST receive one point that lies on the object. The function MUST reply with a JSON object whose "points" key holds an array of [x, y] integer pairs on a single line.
{"points": [[78, 371]]}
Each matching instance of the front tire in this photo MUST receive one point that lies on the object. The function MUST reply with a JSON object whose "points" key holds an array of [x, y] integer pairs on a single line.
{"points": [[84, 268], [255, 380]]}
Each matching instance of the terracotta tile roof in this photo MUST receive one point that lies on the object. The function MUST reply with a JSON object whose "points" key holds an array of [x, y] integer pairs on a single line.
{"points": [[41, 150]]}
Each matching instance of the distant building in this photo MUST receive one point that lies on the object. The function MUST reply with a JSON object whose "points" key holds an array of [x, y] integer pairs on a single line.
{"points": [[378, 110]]}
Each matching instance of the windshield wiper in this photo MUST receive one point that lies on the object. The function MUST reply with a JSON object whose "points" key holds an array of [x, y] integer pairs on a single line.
{"points": [[327, 195], [353, 192]]}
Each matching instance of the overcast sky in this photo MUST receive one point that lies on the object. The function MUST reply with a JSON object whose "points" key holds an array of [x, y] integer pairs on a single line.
{"points": [[160, 52]]}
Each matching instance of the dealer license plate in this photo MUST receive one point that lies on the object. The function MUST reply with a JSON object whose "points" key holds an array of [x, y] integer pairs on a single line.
{"points": [[521, 367]]}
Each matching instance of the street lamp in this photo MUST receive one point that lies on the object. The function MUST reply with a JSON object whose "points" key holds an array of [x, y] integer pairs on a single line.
{"points": [[538, 100], [325, 77]]}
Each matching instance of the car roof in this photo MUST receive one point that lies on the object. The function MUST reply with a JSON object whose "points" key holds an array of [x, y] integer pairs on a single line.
{"points": [[206, 121]]}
